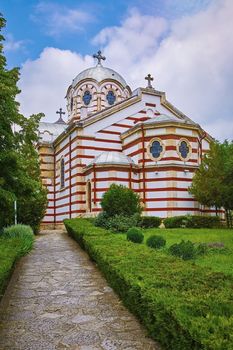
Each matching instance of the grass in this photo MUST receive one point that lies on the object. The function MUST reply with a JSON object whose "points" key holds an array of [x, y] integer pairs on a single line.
{"points": [[182, 304], [14, 243], [218, 260]]}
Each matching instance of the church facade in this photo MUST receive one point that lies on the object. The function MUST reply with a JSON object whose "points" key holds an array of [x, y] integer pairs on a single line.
{"points": [[115, 135]]}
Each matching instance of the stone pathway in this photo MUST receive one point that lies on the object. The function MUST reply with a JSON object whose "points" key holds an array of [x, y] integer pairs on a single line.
{"points": [[58, 299]]}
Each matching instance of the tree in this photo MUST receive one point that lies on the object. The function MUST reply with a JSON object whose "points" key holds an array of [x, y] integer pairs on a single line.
{"points": [[120, 200], [19, 162], [213, 182]]}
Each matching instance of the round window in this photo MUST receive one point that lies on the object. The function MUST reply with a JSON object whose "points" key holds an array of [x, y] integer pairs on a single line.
{"points": [[111, 98], [87, 97], [156, 149], [184, 149]]}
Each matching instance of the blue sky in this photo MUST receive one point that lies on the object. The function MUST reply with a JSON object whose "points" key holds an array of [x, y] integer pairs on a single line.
{"points": [[187, 45], [29, 22]]}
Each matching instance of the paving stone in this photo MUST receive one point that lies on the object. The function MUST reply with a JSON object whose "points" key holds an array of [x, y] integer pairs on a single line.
{"points": [[57, 299]]}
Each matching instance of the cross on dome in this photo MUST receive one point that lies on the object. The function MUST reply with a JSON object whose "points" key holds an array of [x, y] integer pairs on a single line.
{"points": [[149, 78], [60, 120], [99, 57]]}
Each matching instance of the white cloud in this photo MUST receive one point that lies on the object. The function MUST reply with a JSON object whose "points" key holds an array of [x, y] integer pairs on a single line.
{"points": [[44, 81], [13, 45], [190, 58], [56, 19]]}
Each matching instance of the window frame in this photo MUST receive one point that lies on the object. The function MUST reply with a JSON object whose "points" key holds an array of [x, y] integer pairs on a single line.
{"points": [[87, 90], [150, 145], [189, 147]]}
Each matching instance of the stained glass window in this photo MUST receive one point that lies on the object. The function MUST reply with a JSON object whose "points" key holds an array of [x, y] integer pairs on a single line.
{"points": [[62, 174], [87, 97], [184, 149], [111, 98], [156, 149]]}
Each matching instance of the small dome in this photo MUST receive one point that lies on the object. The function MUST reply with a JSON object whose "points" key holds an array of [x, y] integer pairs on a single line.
{"points": [[112, 157], [99, 73]]}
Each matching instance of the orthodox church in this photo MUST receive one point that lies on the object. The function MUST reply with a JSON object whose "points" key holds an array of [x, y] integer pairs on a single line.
{"points": [[115, 135]]}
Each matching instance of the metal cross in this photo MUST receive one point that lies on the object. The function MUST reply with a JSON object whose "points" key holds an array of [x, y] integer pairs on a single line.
{"points": [[60, 112], [149, 79], [99, 57], [60, 120]]}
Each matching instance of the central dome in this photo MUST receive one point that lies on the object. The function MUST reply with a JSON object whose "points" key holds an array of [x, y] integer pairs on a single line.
{"points": [[99, 73]]}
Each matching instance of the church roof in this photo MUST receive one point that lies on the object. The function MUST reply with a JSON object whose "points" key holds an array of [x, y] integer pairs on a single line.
{"points": [[99, 73], [48, 132], [166, 118], [112, 157]]}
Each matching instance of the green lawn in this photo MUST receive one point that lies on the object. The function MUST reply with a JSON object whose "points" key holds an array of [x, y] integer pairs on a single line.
{"points": [[219, 260]]}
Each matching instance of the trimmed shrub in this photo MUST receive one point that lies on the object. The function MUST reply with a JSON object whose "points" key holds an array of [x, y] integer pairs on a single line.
{"points": [[192, 221], [199, 221], [182, 305], [175, 222], [150, 221], [120, 200], [135, 235], [185, 250], [156, 242]]}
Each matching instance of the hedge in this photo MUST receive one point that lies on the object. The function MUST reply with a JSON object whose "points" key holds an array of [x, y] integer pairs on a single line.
{"points": [[182, 305], [15, 241], [192, 221]]}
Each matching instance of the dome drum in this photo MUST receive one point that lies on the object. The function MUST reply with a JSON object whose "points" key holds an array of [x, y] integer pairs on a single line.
{"points": [[95, 88]]}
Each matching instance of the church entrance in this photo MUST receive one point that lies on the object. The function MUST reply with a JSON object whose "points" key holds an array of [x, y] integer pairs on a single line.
{"points": [[88, 196]]}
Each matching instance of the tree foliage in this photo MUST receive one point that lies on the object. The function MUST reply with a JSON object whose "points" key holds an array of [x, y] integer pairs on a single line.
{"points": [[213, 182], [19, 162], [120, 200]]}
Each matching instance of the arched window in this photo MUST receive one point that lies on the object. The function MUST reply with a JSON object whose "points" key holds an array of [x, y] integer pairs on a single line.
{"points": [[71, 103], [111, 98], [184, 149], [62, 173], [87, 97], [156, 149]]}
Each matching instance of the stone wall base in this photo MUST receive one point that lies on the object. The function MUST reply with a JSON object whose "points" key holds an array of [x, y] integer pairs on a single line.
{"points": [[45, 227]]}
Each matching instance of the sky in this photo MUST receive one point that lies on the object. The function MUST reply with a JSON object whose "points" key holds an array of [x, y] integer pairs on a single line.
{"points": [[187, 46]]}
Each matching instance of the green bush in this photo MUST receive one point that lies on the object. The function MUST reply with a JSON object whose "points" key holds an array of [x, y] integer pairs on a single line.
{"points": [[15, 241], [182, 305], [121, 223], [23, 232], [150, 221], [156, 242], [198, 221], [17, 231], [184, 249], [175, 222], [120, 200], [135, 235], [102, 219]]}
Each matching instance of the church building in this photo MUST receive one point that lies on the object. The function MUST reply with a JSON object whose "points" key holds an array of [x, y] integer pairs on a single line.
{"points": [[115, 135]]}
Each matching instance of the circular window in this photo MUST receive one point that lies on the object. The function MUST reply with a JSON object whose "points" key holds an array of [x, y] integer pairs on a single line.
{"points": [[111, 98], [87, 97], [184, 149], [156, 149]]}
